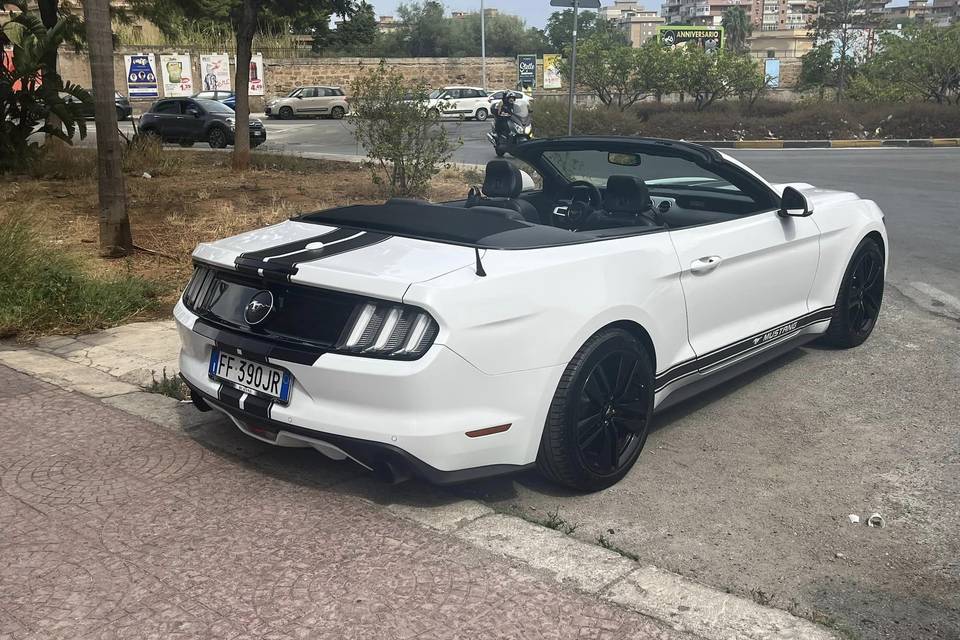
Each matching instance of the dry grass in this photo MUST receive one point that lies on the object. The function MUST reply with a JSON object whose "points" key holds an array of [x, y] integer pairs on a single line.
{"points": [[191, 197]]}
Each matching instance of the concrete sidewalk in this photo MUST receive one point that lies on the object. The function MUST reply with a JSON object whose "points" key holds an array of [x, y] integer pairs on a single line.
{"points": [[129, 514]]}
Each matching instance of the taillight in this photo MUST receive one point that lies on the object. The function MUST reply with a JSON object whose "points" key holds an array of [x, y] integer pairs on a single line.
{"points": [[388, 330], [197, 287]]}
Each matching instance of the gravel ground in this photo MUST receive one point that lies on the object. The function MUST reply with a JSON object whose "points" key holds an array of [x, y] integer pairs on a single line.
{"points": [[749, 487]]}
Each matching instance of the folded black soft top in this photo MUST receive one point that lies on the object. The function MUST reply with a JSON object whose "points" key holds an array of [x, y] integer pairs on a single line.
{"points": [[480, 227]]}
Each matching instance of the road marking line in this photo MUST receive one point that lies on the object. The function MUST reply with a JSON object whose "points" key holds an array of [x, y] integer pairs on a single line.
{"points": [[941, 296]]}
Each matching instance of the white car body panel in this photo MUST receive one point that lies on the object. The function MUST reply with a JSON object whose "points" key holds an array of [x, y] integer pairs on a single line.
{"points": [[505, 337]]}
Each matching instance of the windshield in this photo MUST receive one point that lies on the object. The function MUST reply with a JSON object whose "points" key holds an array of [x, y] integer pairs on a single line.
{"points": [[213, 106], [597, 166], [436, 93], [521, 109], [294, 93]]}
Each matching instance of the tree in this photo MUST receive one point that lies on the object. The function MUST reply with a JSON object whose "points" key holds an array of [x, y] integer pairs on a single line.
{"points": [[398, 131], [424, 30], [708, 77], [244, 16], [610, 69], [923, 62], [359, 30], [657, 69], [817, 69], [560, 28], [737, 28], [30, 91], [746, 78], [115, 237], [843, 23]]}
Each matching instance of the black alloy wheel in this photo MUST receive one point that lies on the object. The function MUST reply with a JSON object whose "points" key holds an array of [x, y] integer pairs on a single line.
{"points": [[601, 413], [286, 113], [860, 297], [217, 138]]}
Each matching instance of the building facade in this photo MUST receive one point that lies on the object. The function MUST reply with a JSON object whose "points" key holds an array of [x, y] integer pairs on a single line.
{"points": [[638, 24]]}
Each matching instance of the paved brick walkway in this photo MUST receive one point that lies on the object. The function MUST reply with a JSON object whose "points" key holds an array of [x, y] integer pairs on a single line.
{"points": [[113, 527]]}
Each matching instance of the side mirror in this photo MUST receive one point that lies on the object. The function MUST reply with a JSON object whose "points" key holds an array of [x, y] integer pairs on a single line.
{"points": [[193, 112], [794, 204], [527, 181]]}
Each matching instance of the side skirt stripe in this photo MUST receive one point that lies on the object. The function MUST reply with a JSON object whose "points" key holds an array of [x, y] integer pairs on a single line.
{"points": [[741, 347]]}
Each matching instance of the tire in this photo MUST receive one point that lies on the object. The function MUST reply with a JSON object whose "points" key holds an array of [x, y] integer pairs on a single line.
{"points": [[481, 114], [286, 113], [217, 138], [433, 113], [600, 414], [859, 299], [337, 113], [120, 115], [186, 143], [500, 151]]}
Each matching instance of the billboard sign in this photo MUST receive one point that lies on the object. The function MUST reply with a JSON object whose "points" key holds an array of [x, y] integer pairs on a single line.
{"points": [[215, 71], [771, 69], [141, 71], [706, 38], [177, 74], [551, 71], [527, 69]]}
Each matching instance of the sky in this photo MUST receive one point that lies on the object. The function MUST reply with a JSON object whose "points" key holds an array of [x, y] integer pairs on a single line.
{"points": [[535, 12]]}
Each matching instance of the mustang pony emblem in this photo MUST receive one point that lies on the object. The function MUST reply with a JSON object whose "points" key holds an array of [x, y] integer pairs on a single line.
{"points": [[259, 307]]}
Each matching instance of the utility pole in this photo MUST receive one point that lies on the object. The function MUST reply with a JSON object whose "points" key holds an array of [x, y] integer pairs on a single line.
{"points": [[573, 70], [483, 46]]}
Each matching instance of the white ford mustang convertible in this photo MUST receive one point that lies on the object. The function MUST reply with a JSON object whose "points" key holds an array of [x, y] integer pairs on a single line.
{"points": [[523, 326]]}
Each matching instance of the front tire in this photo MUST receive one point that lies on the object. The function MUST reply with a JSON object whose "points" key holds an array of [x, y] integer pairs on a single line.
{"points": [[217, 138], [859, 299], [286, 113], [481, 114], [337, 113], [600, 414]]}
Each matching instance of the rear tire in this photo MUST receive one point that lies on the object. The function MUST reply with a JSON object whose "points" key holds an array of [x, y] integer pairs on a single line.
{"points": [[500, 151], [600, 414], [121, 116], [286, 113], [217, 138], [186, 143], [859, 299]]}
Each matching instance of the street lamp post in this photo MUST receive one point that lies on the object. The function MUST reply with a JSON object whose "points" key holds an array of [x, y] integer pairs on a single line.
{"points": [[483, 46], [576, 5]]}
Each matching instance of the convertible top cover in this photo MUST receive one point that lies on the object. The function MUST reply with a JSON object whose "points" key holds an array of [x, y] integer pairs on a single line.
{"points": [[480, 227]]}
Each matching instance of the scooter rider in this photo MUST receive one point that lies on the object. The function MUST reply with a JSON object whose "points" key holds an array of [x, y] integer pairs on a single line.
{"points": [[503, 111]]}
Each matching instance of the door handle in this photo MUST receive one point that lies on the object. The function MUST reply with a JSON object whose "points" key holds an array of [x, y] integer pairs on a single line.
{"points": [[705, 265]]}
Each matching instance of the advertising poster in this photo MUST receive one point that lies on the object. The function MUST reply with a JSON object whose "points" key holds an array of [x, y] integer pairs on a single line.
{"points": [[527, 70], [177, 74], [256, 75], [551, 71], [215, 70], [141, 76], [706, 38], [771, 69]]}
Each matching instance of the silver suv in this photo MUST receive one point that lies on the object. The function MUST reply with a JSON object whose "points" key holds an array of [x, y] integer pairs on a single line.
{"points": [[309, 101]]}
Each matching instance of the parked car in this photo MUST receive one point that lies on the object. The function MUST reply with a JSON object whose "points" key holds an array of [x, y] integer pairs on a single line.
{"points": [[120, 101], [190, 120], [309, 101], [228, 98], [525, 327], [463, 102]]}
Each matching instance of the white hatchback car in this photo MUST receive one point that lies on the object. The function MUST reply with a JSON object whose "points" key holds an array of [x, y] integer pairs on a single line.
{"points": [[462, 102]]}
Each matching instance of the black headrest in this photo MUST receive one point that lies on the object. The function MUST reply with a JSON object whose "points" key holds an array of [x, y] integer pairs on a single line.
{"points": [[502, 180], [626, 194]]}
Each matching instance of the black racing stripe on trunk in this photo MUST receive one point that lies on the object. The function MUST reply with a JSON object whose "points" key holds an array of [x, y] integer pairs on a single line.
{"points": [[362, 240], [741, 347], [298, 245], [257, 406]]}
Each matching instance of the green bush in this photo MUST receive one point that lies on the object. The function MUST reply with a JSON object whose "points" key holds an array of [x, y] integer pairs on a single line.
{"points": [[44, 291], [766, 120]]}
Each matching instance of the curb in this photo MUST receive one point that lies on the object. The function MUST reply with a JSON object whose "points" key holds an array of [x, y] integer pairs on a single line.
{"points": [[829, 144], [674, 601]]}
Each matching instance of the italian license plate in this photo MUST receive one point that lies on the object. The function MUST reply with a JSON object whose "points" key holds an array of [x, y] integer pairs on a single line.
{"points": [[251, 377]]}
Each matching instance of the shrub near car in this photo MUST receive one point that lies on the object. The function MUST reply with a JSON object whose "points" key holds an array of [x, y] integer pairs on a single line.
{"points": [[520, 328], [190, 120], [309, 101]]}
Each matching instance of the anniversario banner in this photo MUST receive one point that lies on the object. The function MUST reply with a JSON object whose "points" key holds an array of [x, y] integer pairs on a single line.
{"points": [[256, 75], [141, 75], [707, 38], [177, 74], [215, 71], [551, 71]]}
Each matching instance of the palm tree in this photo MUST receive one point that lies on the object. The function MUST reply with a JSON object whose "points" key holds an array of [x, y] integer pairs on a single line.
{"points": [[737, 27], [115, 238]]}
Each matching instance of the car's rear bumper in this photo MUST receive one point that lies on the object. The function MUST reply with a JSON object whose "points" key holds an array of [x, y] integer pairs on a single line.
{"points": [[415, 413]]}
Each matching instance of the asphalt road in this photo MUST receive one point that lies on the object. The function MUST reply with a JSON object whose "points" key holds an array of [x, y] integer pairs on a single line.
{"points": [[917, 189]]}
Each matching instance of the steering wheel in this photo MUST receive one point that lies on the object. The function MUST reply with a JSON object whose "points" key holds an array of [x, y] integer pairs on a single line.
{"points": [[596, 198]]}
